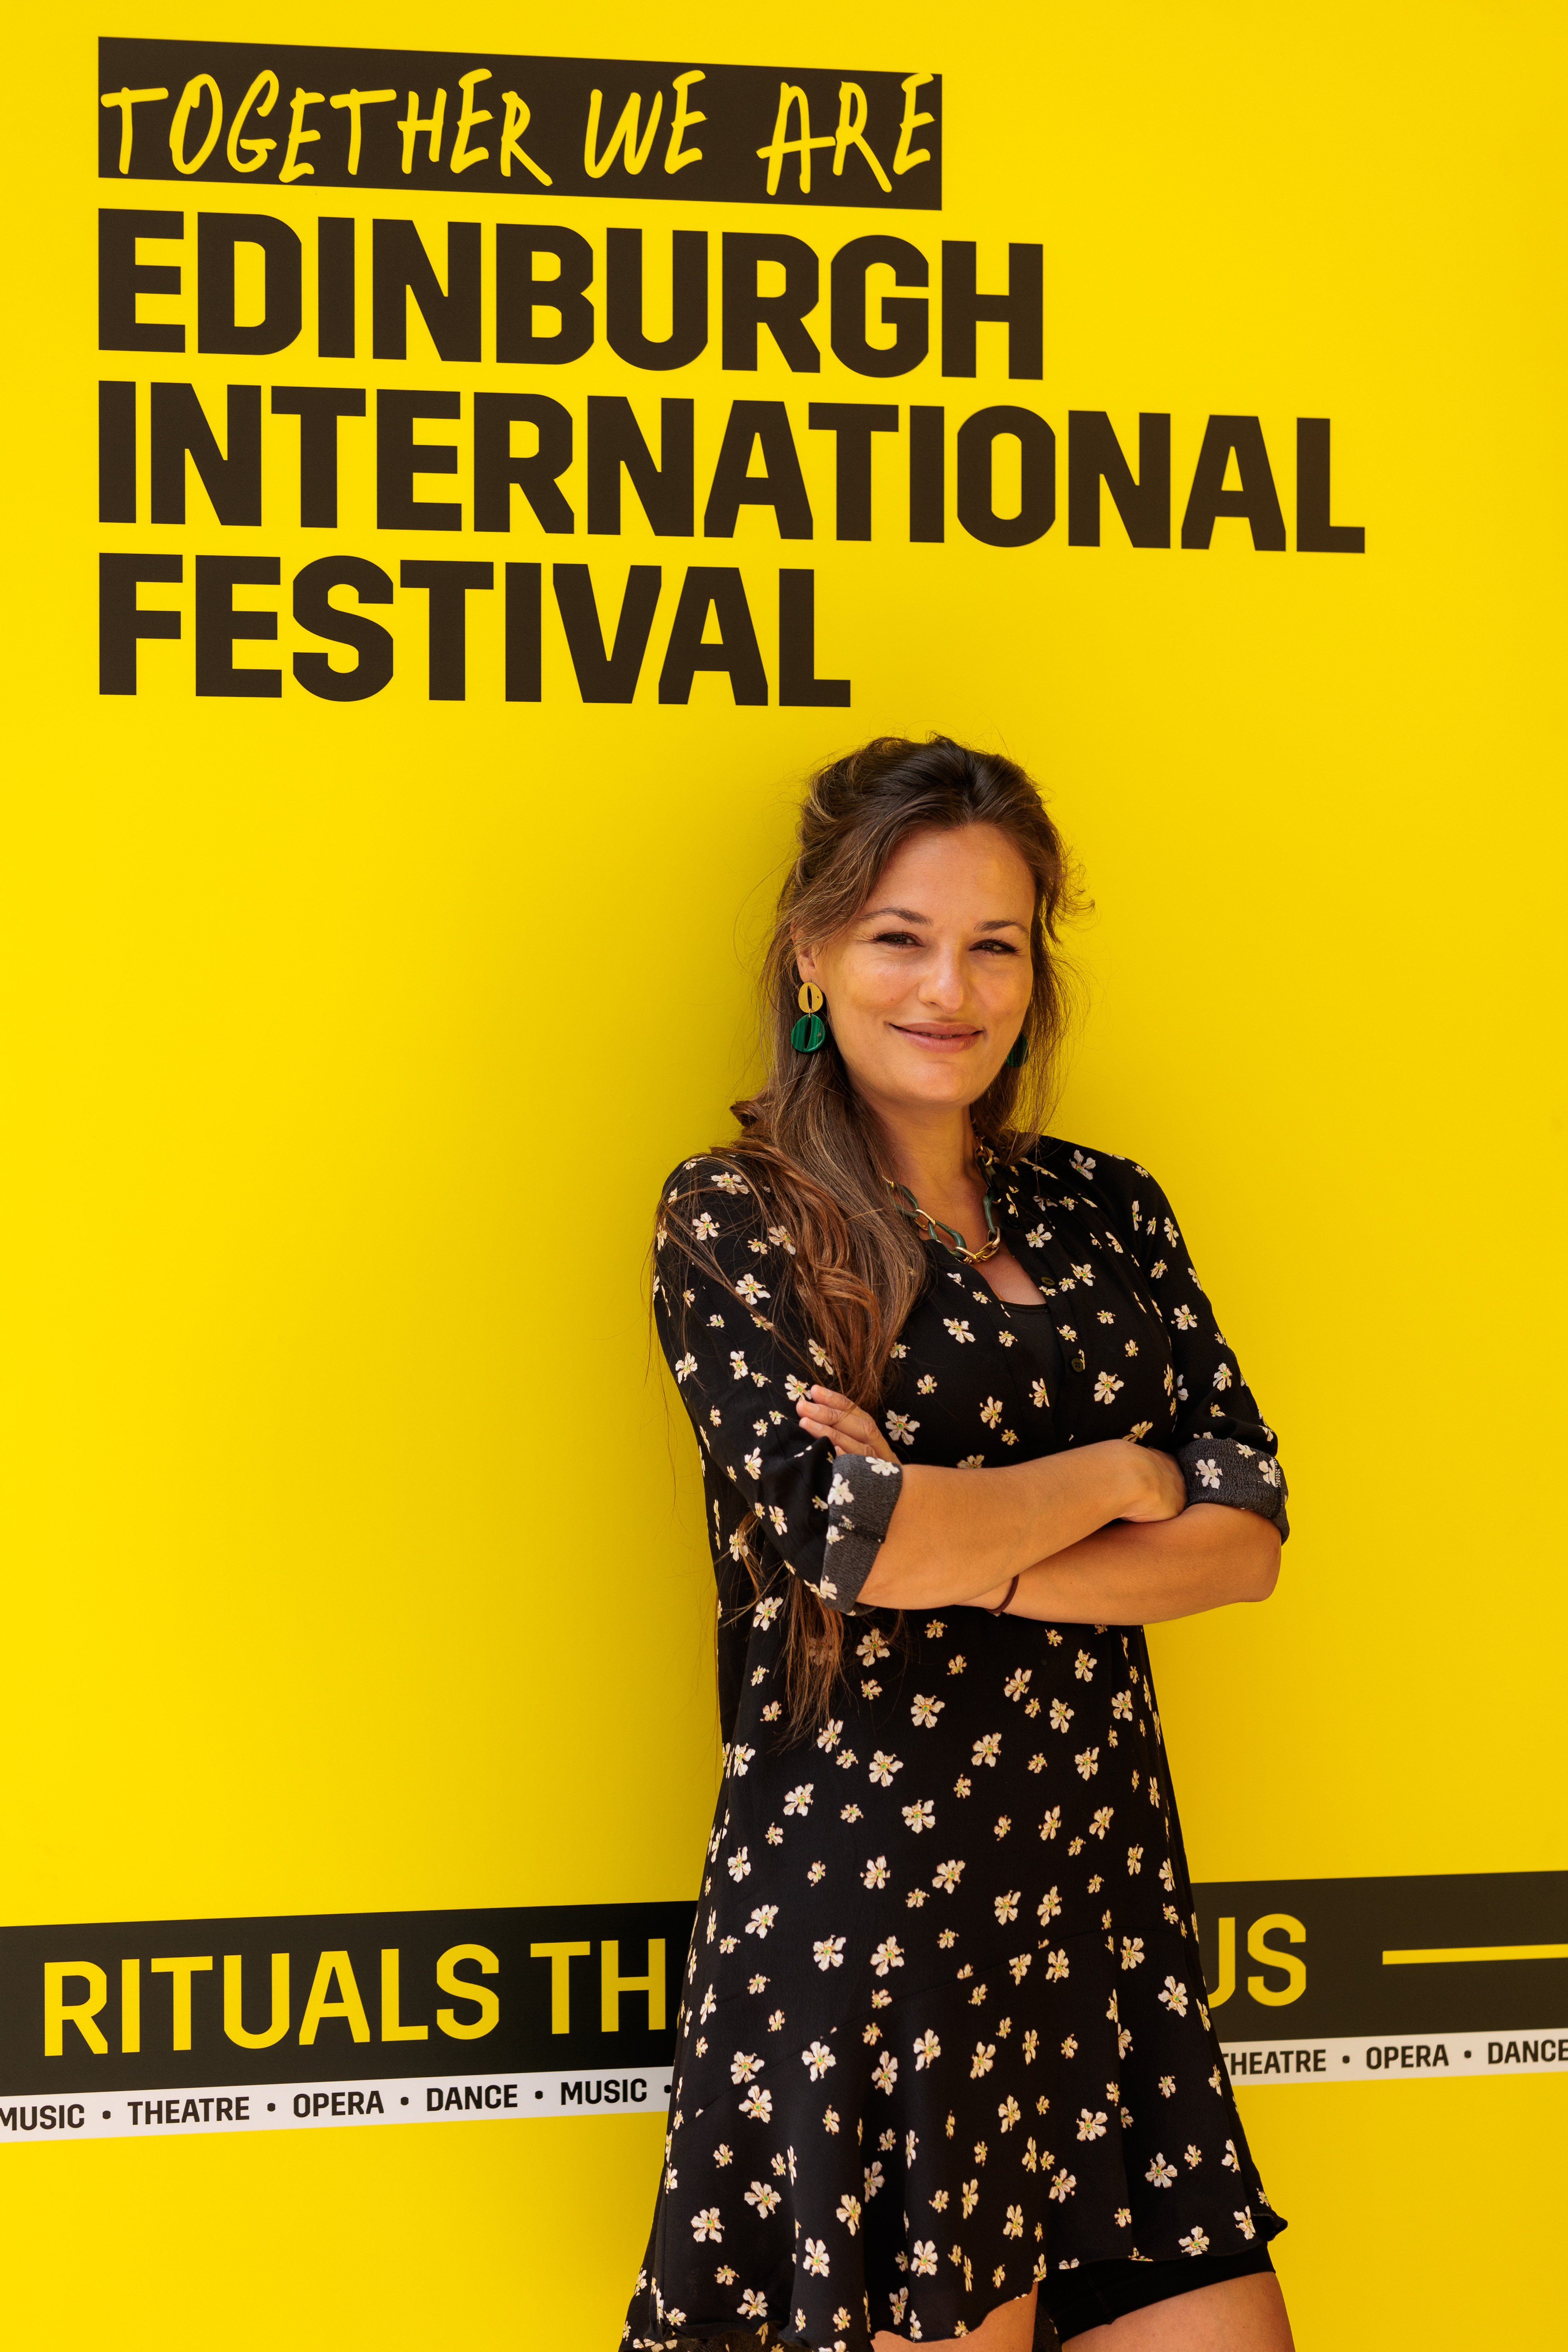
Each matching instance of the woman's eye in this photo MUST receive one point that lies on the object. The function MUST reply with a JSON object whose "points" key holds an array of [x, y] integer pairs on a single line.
{"points": [[998, 947], [895, 940]]}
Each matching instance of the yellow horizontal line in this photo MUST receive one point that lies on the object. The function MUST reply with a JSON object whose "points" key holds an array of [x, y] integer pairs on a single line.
{"points": [[1477, 1952]]}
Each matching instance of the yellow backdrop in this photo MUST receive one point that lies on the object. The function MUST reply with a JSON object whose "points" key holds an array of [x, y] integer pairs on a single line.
{"points": [[354, 1563]]}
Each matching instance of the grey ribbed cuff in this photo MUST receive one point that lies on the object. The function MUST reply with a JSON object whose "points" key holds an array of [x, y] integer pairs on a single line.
{"points": [[1223, 1470], [859, 1507]]}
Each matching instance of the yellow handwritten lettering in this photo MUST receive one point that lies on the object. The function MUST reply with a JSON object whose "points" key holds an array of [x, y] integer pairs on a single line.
{"points": [[904, 158], [190, 99], [258, 150], [127, 100], [354, 99], [791, 97], [624, 134]]}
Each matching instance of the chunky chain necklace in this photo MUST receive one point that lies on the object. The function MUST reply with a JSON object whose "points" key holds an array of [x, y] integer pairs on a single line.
{"points": [[931, 1228]]}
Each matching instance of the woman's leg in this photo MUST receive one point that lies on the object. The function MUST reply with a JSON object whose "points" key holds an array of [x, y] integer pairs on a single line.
{"points": [[1241, 2315], [1009, 2329]]}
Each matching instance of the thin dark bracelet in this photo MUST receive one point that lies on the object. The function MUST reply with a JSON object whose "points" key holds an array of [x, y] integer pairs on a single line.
{"points": [[1007, 1600]]}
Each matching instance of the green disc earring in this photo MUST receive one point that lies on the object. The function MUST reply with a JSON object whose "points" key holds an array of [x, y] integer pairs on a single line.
{"points": [[1019, 1054], [811, 1028]]}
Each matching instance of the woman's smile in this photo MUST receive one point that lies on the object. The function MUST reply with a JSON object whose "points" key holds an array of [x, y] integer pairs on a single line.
{"points": [[938, 1036]]}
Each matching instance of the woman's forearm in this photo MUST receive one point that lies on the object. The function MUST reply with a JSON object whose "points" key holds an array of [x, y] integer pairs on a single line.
{"points": [[1127, 1575], [955, 1534]]}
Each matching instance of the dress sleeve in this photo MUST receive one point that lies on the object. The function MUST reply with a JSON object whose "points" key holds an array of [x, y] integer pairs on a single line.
{"points": [[1225, 1448], [739, 1371]]}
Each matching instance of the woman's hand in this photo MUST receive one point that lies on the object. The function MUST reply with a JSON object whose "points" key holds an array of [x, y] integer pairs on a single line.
{"points": [[1163, 1489], [824, 1413]]}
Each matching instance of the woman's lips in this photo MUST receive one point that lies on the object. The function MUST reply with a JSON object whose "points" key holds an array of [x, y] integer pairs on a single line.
{"points": [[939, 1041]]}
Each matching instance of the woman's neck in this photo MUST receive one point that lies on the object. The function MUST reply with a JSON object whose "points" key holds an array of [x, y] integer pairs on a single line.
{"points": [[931, 1153]]}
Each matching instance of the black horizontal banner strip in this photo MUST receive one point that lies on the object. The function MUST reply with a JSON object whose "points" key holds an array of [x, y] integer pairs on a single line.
{"points": [[153, 2005], [158, 120], [1347, 1924], [517, 2007]]}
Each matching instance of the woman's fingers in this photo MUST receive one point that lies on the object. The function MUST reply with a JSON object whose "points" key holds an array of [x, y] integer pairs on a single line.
{"points": [[824, 1412]]}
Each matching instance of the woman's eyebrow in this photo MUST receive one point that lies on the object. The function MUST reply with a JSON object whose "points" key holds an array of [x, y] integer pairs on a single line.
{"points": [[908, 915]]}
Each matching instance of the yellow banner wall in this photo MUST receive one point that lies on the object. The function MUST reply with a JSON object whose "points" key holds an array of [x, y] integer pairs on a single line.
{"points": [[353, 1559]]}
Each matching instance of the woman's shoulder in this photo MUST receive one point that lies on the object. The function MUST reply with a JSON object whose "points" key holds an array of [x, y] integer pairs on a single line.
{"points": [[1122, 1185], [714, 1196]]}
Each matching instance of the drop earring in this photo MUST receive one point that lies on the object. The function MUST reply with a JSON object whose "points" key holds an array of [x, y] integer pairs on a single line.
{"points": [[1020, 1052], [810, 1030]]}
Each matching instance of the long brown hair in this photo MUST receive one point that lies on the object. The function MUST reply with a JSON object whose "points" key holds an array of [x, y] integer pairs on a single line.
{"points": [[806, 1145]]}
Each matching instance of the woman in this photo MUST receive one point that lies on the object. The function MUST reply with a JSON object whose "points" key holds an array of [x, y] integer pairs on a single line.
{"points": [[944, 2065]]}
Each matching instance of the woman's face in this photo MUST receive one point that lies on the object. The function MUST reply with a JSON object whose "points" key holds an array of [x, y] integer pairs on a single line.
{"points": [[927, 989]]}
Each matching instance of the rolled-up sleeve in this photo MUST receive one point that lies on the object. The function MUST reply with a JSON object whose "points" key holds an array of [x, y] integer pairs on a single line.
{"points": [[739, 1366], [1226, 1450]]}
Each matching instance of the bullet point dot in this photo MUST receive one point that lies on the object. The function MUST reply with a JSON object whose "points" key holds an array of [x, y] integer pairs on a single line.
{"points": [[272, 2106], [539, 2095], [406, 2101], [106, 2110]]}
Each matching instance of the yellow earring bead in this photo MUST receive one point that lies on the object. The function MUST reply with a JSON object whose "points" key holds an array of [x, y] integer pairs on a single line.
{"points": [[809, 997]]}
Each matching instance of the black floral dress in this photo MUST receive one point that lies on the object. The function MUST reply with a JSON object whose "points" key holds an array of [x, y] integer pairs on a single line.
{"points": [[942, 2030]]}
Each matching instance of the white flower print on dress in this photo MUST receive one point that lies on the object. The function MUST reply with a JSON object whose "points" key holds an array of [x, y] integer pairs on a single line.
{"points": [[887, 1956], [900, 1428], [799, 1800], [983, 2059], [815, 2258], [707, 2224], [1174, 1997], [1106, 1385], [768, 1517], [1084, 1666], [885, 2073], [1245, 2223], [1161, 2173], [1194, 2242]]}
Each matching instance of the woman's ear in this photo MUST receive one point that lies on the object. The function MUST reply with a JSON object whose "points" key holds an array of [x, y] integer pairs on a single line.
{"points": [[806, 963]]}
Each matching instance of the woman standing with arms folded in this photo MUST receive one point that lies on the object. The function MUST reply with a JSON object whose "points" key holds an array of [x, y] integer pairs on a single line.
{"points": [[967, 1425]]}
